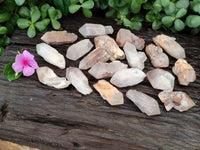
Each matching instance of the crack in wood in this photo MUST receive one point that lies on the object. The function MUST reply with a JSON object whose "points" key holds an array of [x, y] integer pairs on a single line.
{"points": [[3, 111]]}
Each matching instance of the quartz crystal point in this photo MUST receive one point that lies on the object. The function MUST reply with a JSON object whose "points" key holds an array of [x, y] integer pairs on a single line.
{"points": [[95, 56], [184, 72], [59, 37], [170, 46], [109, 44], [178, 100], [127, 77], [108, 92], [79, 49], [145, 103], [157, 57], [48, 77], [78, 80], [92, 30], [105, 70], [125, 35], [51, 55], [161, 79], [135, 59]]}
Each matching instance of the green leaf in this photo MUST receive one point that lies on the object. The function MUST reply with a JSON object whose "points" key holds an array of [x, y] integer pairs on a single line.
{"points": [[10, 73], [165, 3], [74, 1], [150, 17], [1, 50], [87, 13], [55, 24], [170, 10], [121, 3], [35, 14], [88, 4], [157, 5], [19, 2], [13, 19], [127, 23], [137, 25], [31, 31], [168, 20], [63, 5], [23, 23], [10, 28], [147, 6], [5, 41], [42, 25], [181, 12], [24, 12], [110, 13], [4, 17], [196, 7], [138, 18], [140, 1], [195, 31], [179, 25], [193, 21], [3, 30], [81, 1], [123, 11], [112, 3], [74, 8], [44, 10], [135, 7], [156, 25], [182, 4]]}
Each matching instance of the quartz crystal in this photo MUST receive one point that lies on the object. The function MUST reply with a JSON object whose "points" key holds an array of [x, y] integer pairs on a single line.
{"points": [[92, 30], [108, 92], [59, 37], [170, 46], [157, 57], [79, 49], [78, 80], [145, 103], [105, 70], [109, 44], [178, 100], [184, 72], [127, 77], [95, 56], [48, 77], [135, 59], [161, 79], [51, 55], [125, 35]]}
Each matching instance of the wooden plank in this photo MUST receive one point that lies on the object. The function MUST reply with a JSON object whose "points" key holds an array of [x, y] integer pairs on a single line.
{"points": [[39, 116]]}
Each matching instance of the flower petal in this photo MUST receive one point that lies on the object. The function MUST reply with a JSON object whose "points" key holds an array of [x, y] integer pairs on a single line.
{"points": [[33, 64], [27, 55], [18, 64], [28, 71]]}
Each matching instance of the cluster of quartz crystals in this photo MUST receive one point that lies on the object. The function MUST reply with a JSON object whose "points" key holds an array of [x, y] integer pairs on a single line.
{"points": [[106, 48]]}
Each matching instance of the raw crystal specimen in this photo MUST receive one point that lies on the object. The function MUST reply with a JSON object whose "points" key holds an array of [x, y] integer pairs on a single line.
{"points": [[48, 77], [125, 35], [161, 79], [127, 77], [170, 46], [135, 59], [105, 70], [92, 30], [184, 72], [59, 37], [51, 55], [179, 100], [95, 56], [109, 44], [156, 55], [109, 92], [79, 49], [145, 103], [78, 80]]}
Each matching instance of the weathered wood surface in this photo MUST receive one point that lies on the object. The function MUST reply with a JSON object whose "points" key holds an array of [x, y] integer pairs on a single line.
{"points": [[39, 116]]}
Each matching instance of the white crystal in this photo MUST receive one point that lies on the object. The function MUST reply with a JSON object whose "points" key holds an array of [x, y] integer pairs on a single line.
{"points": [[105, 70], [108, 92], [161, 79], [92, 30], [51, 55], [145, 103], [79, 49], [78, 80], [48, 77], [135, 59], [127, 77], [95, 56]]}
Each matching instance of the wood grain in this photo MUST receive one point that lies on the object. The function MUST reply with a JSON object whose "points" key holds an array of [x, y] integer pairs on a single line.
{"points": [[39, 116]]}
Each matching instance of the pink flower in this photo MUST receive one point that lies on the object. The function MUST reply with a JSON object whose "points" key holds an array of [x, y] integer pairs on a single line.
{"points": [[25, 62]]}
